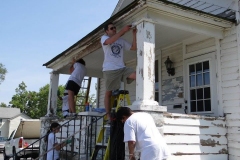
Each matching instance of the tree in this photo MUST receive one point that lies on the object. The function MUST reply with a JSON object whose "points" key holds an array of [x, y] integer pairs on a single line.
{"points": [[25, 100], [34, 104], [3, 104], [3, 72]]}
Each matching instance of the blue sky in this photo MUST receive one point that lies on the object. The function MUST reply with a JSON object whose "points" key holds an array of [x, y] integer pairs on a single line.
{"points": [[33, 32]]}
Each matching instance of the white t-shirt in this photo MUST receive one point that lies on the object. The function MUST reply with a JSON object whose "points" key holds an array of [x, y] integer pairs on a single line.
{"points": [[51, 141], [140, 127], [65, 105], [113, 53], [78, 73]]}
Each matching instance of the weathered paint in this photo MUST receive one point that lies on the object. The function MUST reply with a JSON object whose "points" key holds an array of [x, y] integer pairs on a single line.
{"points": [[229, 51], [172, 88], [52, 96], [195, 137], [145, 63]]}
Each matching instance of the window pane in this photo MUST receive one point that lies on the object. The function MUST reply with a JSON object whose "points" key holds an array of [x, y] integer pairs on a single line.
{"points": [[206, 66], [199, 67], [207, 105], [193, 106], [193, 94], [192, 69], [156, 71], [156, 86], [156, 97], [206, 78], [207, 93], [199, 93], [199, 79], [200, 106], [192, 81]]}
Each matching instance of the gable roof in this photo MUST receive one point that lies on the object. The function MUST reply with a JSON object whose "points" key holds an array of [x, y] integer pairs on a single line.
{"points": [[6, 112], [21, 114]]}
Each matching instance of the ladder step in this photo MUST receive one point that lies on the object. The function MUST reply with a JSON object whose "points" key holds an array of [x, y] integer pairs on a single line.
{"points": [[106, 126], [81, 96], [102, 144]]}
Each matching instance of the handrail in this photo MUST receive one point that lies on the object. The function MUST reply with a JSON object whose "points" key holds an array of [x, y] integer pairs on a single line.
{"points": [[31, 146], [68, 138]]}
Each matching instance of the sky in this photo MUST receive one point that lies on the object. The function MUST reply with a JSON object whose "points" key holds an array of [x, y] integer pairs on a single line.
{"points": [[32, 32]]}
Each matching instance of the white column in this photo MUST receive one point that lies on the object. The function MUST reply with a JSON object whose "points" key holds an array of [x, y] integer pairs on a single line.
{"points": [[145, 76], [52, 96]]}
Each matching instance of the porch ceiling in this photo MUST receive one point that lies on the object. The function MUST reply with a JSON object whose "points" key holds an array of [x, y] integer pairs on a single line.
{"points": [[164, 36], [173, 25]]}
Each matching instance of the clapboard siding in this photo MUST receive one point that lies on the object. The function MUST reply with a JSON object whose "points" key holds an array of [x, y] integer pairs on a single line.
{"points": [[231, 90], [231, 70], [208, 43], [195, 137]]}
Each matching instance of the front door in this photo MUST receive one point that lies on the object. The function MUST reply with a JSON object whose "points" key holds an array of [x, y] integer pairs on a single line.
{"points": [[201, 84]]}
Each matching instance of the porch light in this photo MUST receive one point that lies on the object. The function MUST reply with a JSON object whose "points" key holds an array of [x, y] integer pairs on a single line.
{"points": [[169, 67]]}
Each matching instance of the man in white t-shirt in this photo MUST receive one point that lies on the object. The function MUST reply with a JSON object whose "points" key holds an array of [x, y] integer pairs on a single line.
{"points": [[114, 69], [141, 132], [78, 71]]}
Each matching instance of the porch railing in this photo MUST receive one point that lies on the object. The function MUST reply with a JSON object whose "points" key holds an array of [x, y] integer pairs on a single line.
{"points": [[82, 130]]}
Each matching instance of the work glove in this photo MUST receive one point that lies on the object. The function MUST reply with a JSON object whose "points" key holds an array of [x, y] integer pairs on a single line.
{"points": [[68, 141]]}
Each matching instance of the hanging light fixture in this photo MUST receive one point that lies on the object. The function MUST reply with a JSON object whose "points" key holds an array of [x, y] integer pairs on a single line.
{"points": [[169, 67]]}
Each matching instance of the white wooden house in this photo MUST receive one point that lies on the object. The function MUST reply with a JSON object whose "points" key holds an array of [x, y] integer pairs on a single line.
{"points": [[202, 39], [9, 120]]}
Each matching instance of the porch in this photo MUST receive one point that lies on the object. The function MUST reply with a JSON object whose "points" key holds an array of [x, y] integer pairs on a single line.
{"points": [[188, 136], [203, 49]]}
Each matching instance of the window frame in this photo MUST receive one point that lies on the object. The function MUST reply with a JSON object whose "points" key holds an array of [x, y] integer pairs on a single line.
{"points": [[213, 85]]}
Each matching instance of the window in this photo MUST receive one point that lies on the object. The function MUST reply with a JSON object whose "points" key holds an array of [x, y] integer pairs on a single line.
{"points": [[200, 84], [200, 89]]}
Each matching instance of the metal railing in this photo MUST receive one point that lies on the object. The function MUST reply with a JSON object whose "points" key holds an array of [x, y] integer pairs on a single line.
{"points": [[82, 130]]}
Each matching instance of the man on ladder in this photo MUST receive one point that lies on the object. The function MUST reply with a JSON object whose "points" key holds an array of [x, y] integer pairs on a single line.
{"points": [[114, 69]]}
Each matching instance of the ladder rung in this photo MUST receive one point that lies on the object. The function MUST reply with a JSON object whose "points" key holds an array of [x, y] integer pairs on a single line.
{"points": [[81, 96], [106, 126], [102, 144]]}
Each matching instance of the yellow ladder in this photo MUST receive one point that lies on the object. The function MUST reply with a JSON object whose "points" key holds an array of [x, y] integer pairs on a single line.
{"points": [[117, 100]]}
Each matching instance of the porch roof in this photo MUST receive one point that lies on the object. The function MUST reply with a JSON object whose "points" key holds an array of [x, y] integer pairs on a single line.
{"points": [[205, 7], [130, 8]]}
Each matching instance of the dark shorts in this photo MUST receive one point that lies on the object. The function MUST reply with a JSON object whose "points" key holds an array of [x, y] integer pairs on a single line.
{"points": [[72, 86]]}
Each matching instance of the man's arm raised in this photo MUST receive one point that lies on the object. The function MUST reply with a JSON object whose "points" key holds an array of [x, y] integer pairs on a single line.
{"points": [[115, 37]]}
